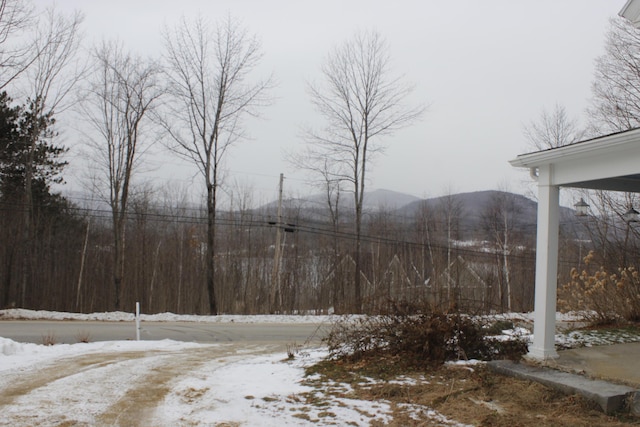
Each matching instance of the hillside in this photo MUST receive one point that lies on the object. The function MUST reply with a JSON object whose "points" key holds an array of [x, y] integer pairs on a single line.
{"points": [[472, 209], [374, 200]]}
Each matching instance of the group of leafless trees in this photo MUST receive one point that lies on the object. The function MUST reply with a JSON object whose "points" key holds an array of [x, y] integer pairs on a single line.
{"points": [[425, 256], [197, 95], [138, 243], [614, 107]]}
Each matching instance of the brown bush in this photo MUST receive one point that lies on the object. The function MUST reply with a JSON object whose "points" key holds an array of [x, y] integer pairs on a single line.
{"points": [[415, 336], [602, 297]]}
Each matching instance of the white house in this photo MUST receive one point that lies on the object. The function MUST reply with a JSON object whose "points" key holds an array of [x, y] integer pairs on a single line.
{"points": [[610, 162]]}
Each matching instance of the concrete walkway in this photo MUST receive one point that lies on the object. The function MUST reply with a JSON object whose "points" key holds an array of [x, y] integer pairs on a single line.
{"points": [[619, 363]]}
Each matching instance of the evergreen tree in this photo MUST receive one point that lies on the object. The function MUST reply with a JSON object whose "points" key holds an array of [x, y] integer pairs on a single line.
{"points": [[36, 227], [17, 126]]}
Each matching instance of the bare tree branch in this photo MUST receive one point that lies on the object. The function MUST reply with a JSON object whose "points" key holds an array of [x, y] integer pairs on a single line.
{"points": [[615, 105], [16, 55], [552, 129]]}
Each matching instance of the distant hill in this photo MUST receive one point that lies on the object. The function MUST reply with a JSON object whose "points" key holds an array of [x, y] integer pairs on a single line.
{"points": [[373, 200], [475, 203], [387, 199], [472, 207]]}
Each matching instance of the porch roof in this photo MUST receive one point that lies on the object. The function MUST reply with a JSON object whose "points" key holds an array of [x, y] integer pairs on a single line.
{"points": [[610, 162]]}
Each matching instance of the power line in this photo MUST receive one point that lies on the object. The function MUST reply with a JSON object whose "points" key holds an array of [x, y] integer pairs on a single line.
{"points": [[254, 219]]}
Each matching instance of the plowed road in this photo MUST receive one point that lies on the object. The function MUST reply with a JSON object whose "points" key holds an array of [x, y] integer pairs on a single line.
{"points": [[69, 332]]}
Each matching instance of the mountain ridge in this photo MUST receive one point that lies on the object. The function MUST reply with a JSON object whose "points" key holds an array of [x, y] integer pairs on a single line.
{"points": [[472, 210]]}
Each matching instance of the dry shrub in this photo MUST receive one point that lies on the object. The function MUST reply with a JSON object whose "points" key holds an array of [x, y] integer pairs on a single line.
{"points": [[415, 336], [49, 338], [600, 296], [83, 336]]}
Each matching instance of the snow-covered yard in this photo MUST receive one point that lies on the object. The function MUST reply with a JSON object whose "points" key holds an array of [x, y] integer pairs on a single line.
{"points": [[169, 383], [162, 383]]}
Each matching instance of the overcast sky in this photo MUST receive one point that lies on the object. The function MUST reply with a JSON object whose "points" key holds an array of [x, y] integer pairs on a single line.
{"points": [[485, 68]]}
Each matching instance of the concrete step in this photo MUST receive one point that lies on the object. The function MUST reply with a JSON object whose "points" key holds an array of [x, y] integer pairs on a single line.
{"points": [[611, 397]]}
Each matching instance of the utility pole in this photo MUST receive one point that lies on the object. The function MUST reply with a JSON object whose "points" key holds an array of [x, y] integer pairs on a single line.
{"points": [[274, 295]]}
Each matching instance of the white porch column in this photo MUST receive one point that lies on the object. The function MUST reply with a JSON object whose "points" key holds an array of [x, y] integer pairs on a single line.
{"points": [[544, 327]]}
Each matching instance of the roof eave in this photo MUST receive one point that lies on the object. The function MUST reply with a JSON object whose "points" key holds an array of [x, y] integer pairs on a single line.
{"points": [[631, 12], [574, 151]]}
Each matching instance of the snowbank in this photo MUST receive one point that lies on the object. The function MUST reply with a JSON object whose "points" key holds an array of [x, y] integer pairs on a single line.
{"points": [[120, 316]]}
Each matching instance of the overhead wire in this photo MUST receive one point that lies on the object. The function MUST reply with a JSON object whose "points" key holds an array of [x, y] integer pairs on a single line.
{"points": [[262, 220]]}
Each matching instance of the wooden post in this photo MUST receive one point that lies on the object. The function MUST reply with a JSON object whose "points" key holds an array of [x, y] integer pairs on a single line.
{"points": [[137, 321]]}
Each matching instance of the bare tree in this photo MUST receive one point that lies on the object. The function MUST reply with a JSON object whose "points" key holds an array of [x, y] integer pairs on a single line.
{"points": [[552, 129], [16, 52], [615, 105], [498, 220], [450, 210], [52, 76], [123, 90], [50, 79], [361, 101], [330, 182], [208, 72], [425, 227]]}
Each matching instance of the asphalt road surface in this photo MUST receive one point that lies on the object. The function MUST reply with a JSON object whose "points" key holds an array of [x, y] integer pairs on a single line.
{"points": [[70, 332]]}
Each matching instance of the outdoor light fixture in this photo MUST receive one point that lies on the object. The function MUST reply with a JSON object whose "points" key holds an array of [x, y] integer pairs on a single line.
{"points": [[582, 208], [631, 215]]}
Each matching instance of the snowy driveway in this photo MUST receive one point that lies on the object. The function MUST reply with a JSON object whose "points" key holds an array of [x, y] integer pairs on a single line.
{"points": [[171, 383], [144, 384]]}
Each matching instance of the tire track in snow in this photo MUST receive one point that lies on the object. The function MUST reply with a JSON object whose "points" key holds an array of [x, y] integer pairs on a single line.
{"points": [[118, 388], [71, 391], [140, 403], [21, 383]]}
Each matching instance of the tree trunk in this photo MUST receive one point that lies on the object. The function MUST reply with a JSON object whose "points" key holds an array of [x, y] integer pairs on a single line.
{"points": [[357, 309], [82, 261], [27, 232], [118, 262], [211, 234]]}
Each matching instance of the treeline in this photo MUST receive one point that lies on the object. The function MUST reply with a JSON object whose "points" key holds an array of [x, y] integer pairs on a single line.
{"points": [[435, 256], [431, 257]]}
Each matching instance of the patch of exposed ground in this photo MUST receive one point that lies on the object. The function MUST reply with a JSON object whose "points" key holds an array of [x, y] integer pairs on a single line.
{"points": [[455, 395]]}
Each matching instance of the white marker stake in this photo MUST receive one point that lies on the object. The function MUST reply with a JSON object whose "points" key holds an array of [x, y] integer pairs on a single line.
{"points": [[137, 321]]}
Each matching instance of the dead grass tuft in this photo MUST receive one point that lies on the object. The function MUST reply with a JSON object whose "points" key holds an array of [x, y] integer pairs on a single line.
{"points": [[49, 338], [83, 336]]}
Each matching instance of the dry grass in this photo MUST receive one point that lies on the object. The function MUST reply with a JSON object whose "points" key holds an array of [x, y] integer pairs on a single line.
{"points": [[49, 338], [469, 395], [83, 336]]}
